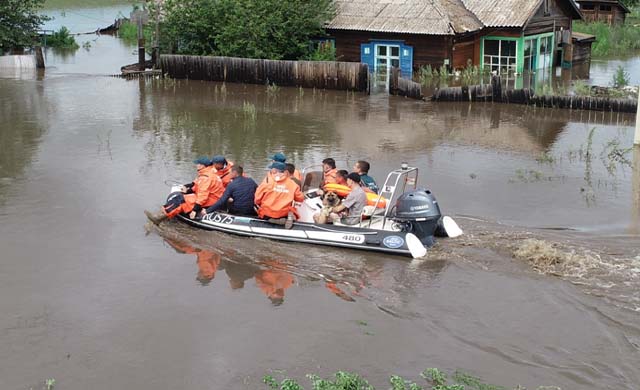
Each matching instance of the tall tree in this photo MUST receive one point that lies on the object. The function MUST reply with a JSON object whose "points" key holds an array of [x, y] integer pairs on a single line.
{"points": [[19, 22], [273, 29]]}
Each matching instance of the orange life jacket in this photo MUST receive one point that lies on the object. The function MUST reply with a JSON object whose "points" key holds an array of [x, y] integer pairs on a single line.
{"points": [[343, 191], [224, 173], [207, 189], [297, 175], [275, 197], [329, 177]]}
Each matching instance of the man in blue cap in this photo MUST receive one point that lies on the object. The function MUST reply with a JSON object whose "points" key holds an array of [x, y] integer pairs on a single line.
{"points": [[281, 158], [203, 192], [223, 169]]}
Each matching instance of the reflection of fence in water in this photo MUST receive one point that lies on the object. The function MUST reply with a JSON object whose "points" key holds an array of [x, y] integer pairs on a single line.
{"points": [[307, 74]]}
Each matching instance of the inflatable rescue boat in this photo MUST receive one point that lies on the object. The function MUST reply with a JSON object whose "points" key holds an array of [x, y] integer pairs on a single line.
{"points": [[403, 219]]}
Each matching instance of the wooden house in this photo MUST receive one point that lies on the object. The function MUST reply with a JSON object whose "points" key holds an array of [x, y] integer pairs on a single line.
{"points": [[507, 36], [608, 11]]}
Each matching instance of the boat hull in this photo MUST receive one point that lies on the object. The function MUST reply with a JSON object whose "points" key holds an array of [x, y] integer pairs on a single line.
{"points": [[393, 242]]}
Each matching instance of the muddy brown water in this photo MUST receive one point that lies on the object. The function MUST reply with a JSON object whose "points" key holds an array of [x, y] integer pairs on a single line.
{"points": [[93, 296]]}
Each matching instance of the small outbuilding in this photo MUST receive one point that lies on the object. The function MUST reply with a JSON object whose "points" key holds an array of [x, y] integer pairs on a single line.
{"points": [[611, 12]]}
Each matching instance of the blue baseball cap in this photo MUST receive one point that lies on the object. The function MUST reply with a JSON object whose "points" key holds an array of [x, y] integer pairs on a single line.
{"points": [[279, 157], [202, 160], [218, 160], [279, 166]]}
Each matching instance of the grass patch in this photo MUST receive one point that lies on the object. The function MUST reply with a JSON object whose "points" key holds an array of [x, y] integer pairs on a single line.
{"points": [[249, 111], [273, 89], [620, 77], [128, 32], [580, 88], [434, 379]]}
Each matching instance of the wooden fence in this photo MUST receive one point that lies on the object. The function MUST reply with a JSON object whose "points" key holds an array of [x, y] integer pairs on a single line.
{"points": [[494, 92], [307, 74], [404, 87]]}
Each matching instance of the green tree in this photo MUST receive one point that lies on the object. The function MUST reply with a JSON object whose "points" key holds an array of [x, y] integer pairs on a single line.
{"points": [[19, 22], [272, 29], [630, 3]]}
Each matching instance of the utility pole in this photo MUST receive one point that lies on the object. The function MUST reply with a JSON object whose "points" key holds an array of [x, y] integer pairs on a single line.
{"points": [[141, 57], [155, 55], [636, 138]]}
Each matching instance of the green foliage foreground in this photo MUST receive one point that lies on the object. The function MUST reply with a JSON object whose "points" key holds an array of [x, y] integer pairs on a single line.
{"points": [[270, 29], [19, 23], [611, 39], [435, 380]]}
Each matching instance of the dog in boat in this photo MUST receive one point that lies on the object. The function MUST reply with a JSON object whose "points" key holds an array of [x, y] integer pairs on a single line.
{"points": [[329, 200]]}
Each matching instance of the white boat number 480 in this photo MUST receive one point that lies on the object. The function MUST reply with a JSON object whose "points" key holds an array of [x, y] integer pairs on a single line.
{"points": [[353, 238]]}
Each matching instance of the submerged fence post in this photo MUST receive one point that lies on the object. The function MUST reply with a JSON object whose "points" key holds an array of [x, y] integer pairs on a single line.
{"points": [[141, 55], [635, 189], [39, 57], [636, 138]]}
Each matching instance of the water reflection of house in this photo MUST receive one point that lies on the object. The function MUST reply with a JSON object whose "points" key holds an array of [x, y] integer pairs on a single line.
{"points": [[607, 11], [499, 35]]}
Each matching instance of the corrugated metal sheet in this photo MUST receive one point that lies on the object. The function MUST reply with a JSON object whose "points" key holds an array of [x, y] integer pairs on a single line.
{"points": [[433, 17], [503, 13]]}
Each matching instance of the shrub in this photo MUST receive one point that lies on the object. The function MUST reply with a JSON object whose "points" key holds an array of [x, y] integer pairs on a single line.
{"points": [[62, 39]]}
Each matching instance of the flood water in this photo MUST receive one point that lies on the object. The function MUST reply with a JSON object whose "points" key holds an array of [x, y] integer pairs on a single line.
{"points": [[95, 297]]}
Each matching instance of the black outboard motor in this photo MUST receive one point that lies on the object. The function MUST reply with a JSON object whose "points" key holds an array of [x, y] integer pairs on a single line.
{"points": [[418, 212]]}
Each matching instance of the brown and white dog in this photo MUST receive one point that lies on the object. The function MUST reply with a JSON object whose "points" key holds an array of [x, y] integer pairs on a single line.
{"points": [[329, 200]]}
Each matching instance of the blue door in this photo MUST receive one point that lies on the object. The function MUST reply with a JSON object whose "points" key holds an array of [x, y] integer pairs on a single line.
{"points": [[366, 55], [406, 61]]}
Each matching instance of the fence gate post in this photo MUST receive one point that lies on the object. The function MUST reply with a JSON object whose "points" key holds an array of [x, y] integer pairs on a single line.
{"points": [[636, 138]]}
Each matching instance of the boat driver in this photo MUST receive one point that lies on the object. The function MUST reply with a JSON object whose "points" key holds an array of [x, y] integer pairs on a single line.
{"points": [[349, 212]]}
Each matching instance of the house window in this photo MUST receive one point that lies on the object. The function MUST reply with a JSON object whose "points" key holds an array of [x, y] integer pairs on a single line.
{"points": [[367, 50], [546, 52], [500, 55], [530, 54], [587, 7], [605, 8]]}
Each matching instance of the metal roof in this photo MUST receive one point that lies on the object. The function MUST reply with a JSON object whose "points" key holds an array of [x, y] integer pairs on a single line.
{"points": [[503, 13], [432, 17], [507, 13]]}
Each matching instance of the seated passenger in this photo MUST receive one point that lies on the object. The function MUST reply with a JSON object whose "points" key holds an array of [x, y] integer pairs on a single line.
{"points": [[341, 177], [275, 197], [366, 181], [204, 191], [279, 157], [329, 171], [349, 212], [292, 170], [223, 169], [238, 196]]}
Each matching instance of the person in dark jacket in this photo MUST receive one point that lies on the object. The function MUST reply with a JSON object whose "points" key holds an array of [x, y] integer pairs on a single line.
{"points": [[238, 196]]}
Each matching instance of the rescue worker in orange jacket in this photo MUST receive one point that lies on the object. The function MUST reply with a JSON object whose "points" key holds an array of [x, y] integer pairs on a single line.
{"points": [[279, 157], [273, 282], [204, 191], [275, 197], [329, 171], [223, 169]]}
